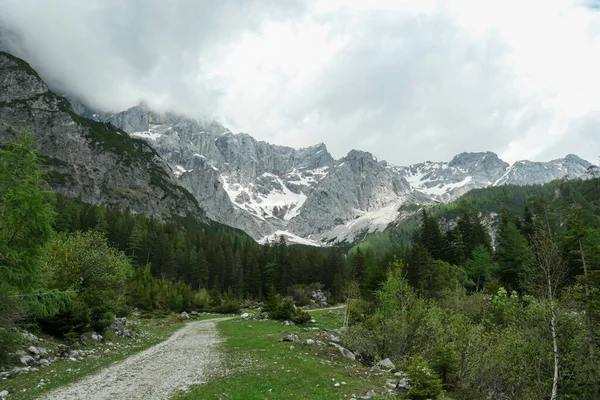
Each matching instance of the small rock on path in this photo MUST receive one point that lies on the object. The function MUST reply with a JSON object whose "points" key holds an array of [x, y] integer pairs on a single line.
{"points": [[183, 360]]}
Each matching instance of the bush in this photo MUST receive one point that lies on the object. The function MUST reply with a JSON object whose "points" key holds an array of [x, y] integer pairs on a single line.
{"points": [[287, 311], [85, 264], [424, 383], [228, 307]]}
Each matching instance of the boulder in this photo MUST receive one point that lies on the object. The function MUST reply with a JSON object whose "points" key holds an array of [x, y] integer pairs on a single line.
{"points": [[403, 383], [184, 315], [292, 337], [334, 339], [3, 394], [346, 353], [385, 364], [96, 336], [33, 350], [309, 342], [43, 362], [27, 360], [245, 315]]}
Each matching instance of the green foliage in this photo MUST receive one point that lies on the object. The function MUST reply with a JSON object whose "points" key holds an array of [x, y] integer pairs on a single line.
{"points": [[26, 215], [84, 263], [286, 310], [424, 382], [26, 218]]}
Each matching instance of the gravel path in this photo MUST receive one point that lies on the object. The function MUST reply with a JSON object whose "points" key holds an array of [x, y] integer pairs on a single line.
{"points": [[185, 359]]}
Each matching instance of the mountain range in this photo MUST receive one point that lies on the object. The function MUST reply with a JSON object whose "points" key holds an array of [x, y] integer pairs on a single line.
{"points": [[167, 165], [307, 195]]}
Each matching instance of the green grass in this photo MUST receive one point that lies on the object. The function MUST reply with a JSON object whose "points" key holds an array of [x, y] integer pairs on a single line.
{"points": [[152, 331], [260, 367]]}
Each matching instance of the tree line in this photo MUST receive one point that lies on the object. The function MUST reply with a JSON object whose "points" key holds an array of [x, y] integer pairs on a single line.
{"points": [[499, 305]]}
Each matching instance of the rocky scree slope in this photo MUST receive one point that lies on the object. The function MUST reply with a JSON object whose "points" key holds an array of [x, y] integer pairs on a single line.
{"points": [[88, 159], [305, 194]]}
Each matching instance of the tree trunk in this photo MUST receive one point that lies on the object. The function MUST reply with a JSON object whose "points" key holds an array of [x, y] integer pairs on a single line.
{"points": [[590, 323], [555, 348]]}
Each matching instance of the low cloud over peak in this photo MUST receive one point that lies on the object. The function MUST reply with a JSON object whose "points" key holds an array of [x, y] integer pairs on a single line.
{"points": [[406, 81]]}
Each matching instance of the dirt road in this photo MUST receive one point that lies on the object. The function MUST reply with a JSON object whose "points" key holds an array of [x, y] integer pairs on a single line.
{"points": [[183, 360]]}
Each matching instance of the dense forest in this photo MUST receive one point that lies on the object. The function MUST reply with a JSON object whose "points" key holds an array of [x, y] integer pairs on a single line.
{"points": [[67, 266], [507, 308]]}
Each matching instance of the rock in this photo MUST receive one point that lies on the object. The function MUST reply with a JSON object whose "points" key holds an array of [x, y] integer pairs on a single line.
{"points": [[27, 360], [312, 321], [292, 337], [347, 353], [333, 338], [83, 340], [385, 364], [43, 362], [403, 383], [97, 337], [194, 313], [43, 351], [337, 385], [309, 342], [184, 315], [3, 394], [244, 315], [371, 393], [263, 315], [33, 350], [288, 323], [15, 371], [320, 343], [292, 347]]}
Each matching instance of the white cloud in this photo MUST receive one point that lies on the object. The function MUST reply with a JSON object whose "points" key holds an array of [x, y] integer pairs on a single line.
{"points": [[406, 80]]}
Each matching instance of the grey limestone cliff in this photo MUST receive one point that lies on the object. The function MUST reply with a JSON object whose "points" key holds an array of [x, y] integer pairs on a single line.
{"points": [[88, 159]]}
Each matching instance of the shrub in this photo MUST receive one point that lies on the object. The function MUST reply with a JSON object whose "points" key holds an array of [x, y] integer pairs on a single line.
{"points": [[85, 264], [424, 383], [287, 311]]}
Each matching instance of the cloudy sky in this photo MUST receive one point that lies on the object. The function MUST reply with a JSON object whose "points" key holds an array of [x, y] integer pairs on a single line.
{"points": [[406, 80]]}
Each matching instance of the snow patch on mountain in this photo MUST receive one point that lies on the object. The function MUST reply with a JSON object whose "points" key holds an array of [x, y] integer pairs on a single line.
{"points": [[279, 202], [369, 222], [290, 238]]}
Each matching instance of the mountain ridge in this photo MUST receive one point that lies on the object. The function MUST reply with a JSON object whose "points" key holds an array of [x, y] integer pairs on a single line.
{"points": [[307, 195], [89, 159]]}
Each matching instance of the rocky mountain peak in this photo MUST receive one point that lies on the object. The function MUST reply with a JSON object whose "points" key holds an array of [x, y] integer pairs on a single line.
{"points": [[305, 193], [85, 158], [18, 81]]}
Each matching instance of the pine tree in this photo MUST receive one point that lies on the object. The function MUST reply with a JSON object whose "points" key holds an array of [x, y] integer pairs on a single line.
{"points": [[26, 218]]}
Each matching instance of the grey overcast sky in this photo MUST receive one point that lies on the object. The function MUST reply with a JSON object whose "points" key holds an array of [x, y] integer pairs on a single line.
{"points": [[408, 81]]}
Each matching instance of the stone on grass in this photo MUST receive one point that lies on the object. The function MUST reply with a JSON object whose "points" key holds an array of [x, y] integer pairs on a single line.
{"points": [[3, 394], [27, 360], [385, 364], [33, 350], [346, 353], [97, 337], [244, 315], [184, 315], [333, 338], [309, 342], [292, 337]]}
